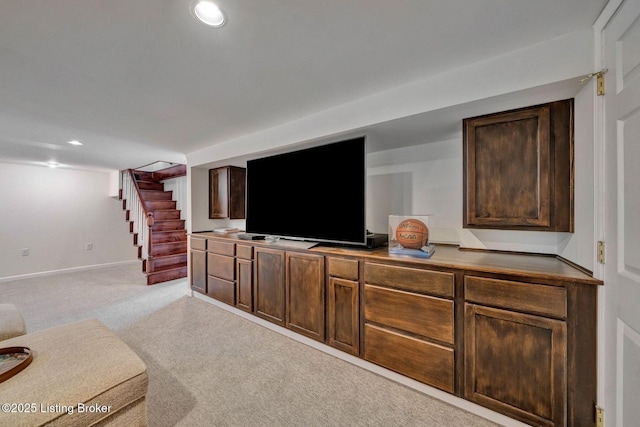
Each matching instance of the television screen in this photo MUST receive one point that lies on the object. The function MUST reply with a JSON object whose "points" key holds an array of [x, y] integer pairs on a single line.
{"points": [[313, 194]]}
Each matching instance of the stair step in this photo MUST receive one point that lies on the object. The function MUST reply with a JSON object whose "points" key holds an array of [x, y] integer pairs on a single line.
{"points": [[153, 205], [168, 262], [176, 224], [166, 275], [150, 185], [172, 248], [156, 195], [143, 176], [168, 236], [166, 214]]}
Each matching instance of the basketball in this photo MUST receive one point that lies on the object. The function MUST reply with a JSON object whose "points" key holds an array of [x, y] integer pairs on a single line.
{"points": [[412, 234]]}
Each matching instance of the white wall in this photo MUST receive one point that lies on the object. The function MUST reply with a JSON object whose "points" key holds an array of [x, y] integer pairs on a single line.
{"points": [[199, 195], [566, 57], [178, 187], [55, 213], [423, 179], [579, 247]]}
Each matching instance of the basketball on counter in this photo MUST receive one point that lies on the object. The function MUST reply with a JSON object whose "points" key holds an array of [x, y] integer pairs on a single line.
{"points": [[412, 234]]}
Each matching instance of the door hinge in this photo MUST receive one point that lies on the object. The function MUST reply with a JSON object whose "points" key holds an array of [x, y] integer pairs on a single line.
{"points": [[599, 417], [600, 82], [599, 76], [600, 251]]}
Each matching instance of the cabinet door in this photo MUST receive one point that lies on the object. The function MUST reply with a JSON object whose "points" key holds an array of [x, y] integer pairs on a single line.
{"points": [[218, 193], [515, 364], [269, 285], [244, 274], [198, 265], [227, 187], [237, 189], [518, 169], [305, 294], [343, 312]]}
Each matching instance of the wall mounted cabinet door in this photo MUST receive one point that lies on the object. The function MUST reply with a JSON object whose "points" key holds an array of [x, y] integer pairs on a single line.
{"points": [[518, 169], [227, 192]]}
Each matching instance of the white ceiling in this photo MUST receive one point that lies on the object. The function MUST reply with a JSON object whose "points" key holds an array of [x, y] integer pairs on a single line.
{"points": [[140, 80]]}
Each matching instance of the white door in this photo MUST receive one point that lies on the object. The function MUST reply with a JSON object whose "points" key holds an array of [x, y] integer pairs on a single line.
{"points": [[621, 291]]}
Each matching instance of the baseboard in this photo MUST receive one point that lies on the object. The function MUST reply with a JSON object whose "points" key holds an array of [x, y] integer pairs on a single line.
{"points": [[67, 270], [386, 373]]}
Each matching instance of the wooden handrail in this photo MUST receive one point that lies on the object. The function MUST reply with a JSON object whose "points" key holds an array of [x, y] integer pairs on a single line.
{"points": [[168, 173]]}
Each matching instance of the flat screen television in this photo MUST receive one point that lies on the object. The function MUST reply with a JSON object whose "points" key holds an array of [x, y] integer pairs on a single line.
{"points": [[315, 194]]}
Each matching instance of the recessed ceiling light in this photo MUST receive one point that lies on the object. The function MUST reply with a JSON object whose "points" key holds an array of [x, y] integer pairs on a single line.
{"points": [[209, 13], [74, 142], [52, 164]]}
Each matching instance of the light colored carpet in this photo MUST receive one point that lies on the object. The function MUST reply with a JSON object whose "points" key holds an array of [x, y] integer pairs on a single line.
{"points": [[209, 367], [116, 295]]}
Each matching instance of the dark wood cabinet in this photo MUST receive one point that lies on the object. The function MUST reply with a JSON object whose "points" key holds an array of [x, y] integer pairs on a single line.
{"points": [[269, 270], [305, 294], [530, 349], [518, 169], [343, 305], [198, 264], [511, 332], [227, 187]]}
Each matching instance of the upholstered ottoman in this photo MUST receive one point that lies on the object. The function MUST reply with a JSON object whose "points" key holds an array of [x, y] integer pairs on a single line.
{"points": [[81, 374], [11, 322]]}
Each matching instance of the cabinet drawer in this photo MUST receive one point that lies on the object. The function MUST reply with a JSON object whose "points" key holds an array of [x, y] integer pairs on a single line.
{"points": [[343, 268], [423, 361], [222, 290], [198, 244], [221, 266], [410, 279], [527, 297], [221, 248], [244, 252], [420, 314]]}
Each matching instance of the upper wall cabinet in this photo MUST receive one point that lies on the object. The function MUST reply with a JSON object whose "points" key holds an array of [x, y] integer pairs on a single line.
{"points": [[226, 192], [518, 169]]}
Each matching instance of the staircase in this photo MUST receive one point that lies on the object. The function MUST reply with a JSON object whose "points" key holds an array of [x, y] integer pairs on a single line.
{"points": [[154, 221]]}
